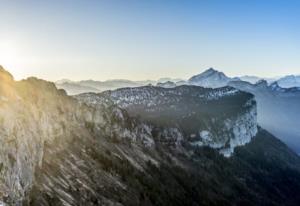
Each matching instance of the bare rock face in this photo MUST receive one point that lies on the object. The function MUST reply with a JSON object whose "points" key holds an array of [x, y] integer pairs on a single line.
{"points": [[37, 118], [29, 118]]}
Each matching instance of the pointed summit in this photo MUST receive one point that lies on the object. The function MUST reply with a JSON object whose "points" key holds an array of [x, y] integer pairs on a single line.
{"points": [[210, 70], [210, 78]]}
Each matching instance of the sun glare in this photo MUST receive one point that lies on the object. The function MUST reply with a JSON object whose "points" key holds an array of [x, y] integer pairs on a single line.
{"points": [[9, 57]]}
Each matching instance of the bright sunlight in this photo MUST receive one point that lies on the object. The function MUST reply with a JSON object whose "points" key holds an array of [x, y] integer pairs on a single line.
{"points": [[10, 57]]}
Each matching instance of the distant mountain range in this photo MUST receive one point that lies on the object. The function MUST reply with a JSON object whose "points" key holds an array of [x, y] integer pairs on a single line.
{"points": [[83, 86], [209, 78], [78, 87], [214, 79]]}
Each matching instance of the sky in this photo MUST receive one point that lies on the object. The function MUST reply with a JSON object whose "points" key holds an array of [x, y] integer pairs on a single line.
{"points": [[148, 39]]}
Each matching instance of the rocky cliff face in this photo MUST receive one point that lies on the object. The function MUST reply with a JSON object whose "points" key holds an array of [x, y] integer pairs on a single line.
{"points": [[34, 114]]}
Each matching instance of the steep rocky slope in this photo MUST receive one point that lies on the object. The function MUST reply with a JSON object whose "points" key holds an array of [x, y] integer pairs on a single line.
{"points": [[56, 150], [32, 112], [34, 115], [90, 172]]}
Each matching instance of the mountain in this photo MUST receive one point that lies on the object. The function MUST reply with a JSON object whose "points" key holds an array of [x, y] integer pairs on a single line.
{"points": [[85, 86], [289, 81], [139, 146], [167, 79], [278, 109], [250, 79], [210, 78], [62, 81], [110, 84], [255, 79], [74, 88], [167, 84]]}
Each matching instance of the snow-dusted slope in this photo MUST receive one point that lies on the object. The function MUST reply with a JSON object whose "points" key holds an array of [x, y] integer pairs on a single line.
{"points": [[229, 116], [289, 81], [210, 78]]}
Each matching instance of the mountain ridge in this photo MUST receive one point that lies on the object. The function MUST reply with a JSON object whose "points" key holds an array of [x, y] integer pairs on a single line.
{"points": [[219, 79]]}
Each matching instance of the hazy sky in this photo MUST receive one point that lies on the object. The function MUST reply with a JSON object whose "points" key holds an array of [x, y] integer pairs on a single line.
{"points": [[107, 39]]}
